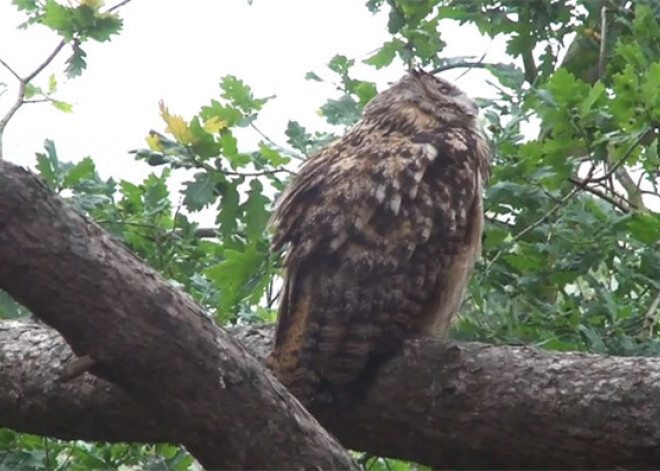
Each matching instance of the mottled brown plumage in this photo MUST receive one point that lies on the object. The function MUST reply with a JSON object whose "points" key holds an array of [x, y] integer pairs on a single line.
{"points": [[382, 229]]}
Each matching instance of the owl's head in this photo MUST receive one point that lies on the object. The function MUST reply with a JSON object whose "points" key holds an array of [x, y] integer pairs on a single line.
{"points": [[437, 98]]}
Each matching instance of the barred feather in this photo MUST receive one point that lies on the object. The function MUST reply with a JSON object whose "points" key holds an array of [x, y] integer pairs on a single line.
{"points": [[381, 229]]}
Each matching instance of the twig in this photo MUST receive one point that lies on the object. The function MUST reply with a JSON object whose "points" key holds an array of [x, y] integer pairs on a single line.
{"points": [[37, 100], [260, 173], [117, 6], [289, 152], [206, 232], [22, 83], [622, 160], [601, 194], [603, 41], [461, 65], [12, 110], [75, 368], [649, 317], [20, 98], [529, 65], [12, 71], [481, 59], [45, 63], [532, 226]]}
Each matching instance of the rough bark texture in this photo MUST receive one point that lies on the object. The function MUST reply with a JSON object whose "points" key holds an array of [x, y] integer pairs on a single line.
{"points": [[150, 339], [32, 400], [446, 405]]}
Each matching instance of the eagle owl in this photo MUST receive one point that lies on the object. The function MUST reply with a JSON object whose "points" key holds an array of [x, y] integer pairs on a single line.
{"points": [[382, 228]]}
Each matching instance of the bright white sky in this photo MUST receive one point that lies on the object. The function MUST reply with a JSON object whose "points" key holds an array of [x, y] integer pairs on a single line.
{"points": [[177, 51]]}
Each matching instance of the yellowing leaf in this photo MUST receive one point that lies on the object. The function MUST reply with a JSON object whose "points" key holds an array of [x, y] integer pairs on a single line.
{"points": [[52, 83], [63, 106], [214, 124], [154, 143], [176, 126]]}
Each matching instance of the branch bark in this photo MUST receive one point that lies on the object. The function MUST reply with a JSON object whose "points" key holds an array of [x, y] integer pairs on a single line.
{"points": [[150, 339], [443, 404], [165, 372]]}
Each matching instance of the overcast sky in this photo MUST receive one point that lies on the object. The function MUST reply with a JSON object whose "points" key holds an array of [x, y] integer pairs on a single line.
{"points": [[177, 51]]}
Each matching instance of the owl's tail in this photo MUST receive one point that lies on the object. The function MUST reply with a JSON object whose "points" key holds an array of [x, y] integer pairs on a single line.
{"points": [[294, 342]]}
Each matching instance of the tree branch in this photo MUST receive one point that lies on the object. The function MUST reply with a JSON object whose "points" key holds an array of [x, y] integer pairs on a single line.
{"points": [[150, 339], [443, 404]]}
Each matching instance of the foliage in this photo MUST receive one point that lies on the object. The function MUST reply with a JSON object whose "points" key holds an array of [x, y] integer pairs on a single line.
{"points": [[570, 258]]}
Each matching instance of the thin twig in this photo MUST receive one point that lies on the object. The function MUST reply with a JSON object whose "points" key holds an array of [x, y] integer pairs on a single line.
{"points": [[532, 226], [117, 6], [650, 318], [461, 65], [45, 63], [12, 71], [206, 232], [75, 368], [481, 59], [22, 83], [603, 42], [622, 160], [12, 110], [601, 194], [259, 173], [289, 152], [20, 99], [37, 100]]}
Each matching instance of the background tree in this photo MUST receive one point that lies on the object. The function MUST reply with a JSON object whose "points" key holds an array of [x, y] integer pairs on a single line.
{"points": [[570, 251]]}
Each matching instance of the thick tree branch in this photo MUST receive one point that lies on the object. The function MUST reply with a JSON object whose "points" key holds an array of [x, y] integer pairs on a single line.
{"points": [[447, 405], [149, 339]]}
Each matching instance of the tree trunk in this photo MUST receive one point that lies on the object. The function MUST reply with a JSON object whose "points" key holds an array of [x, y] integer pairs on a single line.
{"points": [[150, 339]]}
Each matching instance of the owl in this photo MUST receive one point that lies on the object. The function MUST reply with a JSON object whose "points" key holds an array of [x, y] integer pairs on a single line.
{"points": [[381, 230]]}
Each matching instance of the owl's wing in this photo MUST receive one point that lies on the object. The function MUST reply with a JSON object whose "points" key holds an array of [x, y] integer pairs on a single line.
{"points": [[353, 219]]}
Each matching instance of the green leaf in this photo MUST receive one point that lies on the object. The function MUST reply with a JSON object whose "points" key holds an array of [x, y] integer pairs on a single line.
{"points": [[58, 18], [76, 63], [52, 83], [103, 26], [374, 5], [298, 137], [385, 54], [48, 164], [10, 309], [365, 92], [240, 94], [508, 75], [85, 169], [229, 145], [227, 217], [256, 214], [225, 113], [203, 143], [645, 227], [62, 106], [344, 111], [200, 192], [30, 6], [156, 193], [233, 273], [340, 64], [597, 92], [272, 156], [313, 76], [31, 91]]}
